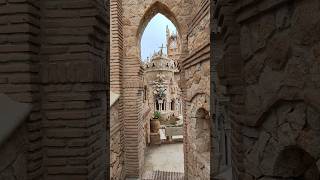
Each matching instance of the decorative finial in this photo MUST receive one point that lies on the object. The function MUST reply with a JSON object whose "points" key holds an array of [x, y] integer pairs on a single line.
{"points": [[161, 49]]}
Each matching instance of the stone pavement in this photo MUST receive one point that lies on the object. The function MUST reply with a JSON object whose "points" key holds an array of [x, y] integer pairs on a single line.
{"points": [[166, 157]]}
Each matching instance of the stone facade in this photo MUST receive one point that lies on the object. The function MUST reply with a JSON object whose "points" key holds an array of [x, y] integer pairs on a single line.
{"points": [[270, 69], [197, 96], [162, 92]]}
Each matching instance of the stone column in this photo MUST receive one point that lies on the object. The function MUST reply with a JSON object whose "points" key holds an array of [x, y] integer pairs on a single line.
{"points": [[73, 63], [19, 69]]}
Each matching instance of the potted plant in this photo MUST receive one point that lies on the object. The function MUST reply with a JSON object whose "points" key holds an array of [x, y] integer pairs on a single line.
{"points": [[155, 122], [156, 115]]}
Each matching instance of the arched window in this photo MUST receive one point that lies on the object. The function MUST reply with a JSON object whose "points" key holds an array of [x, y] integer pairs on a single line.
{"points": [[145, 94], [164, 105], [157, 106], [173, 105]]}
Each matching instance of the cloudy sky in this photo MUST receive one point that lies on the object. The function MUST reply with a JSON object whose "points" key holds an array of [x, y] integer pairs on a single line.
{"points": [[155, 35]]}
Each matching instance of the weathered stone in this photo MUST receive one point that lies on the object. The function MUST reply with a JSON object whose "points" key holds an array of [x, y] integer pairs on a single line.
{"points": [[278, 51], [254, 101], [254, 156], [268, 157], [287, 135], [297, 116], [313, 118], [307, 140], [245, 43], [283, 17], [253, 68], [261, 30], [305, 23]]}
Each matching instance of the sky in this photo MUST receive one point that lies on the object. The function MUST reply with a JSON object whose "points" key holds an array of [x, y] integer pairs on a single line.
{"points": [[155, 35]]}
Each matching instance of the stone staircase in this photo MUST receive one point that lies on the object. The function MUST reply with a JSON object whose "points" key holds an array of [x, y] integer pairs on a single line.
{"points": [[162, 175]]}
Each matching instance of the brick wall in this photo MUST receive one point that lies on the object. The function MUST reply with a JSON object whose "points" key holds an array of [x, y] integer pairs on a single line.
{"points": [[73, 81], [116, 64], [53, 55], [19, 70]]}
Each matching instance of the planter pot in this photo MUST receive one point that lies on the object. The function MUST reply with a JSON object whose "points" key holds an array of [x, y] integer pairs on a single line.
{"points": [[154, 125]]}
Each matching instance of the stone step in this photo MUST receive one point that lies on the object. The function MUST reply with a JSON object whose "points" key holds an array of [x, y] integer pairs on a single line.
{"points": [[163, 175]]}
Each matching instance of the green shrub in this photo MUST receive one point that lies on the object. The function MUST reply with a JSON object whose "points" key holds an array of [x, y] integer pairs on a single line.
{"points": [[157, 115]]}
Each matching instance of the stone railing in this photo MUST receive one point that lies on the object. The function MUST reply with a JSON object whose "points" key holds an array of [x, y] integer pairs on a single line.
{"points": [[174, 131]]}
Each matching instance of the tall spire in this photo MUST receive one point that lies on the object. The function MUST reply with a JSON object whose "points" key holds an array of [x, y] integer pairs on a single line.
{"points": [[168, 31]]}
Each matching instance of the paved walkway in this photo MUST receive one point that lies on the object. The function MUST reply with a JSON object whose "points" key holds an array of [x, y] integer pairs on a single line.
{"points": [[161, 175], [165, 157]]}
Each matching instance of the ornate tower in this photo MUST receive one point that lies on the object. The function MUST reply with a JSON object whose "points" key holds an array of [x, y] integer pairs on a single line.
{"points": [[173, 44]]}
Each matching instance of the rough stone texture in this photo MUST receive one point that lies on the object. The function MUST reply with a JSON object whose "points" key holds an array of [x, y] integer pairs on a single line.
{"points": [[198, 138], [271, 72], [196, 89], [116, 147]]}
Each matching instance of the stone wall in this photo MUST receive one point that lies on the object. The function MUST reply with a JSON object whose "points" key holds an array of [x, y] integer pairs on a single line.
{"points": [[14, 155], [271, 69], [196, 78], [116, 146]]}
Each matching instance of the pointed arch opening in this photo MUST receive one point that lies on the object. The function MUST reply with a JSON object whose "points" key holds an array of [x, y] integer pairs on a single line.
{"points": [[161, 74], [154, 10]]}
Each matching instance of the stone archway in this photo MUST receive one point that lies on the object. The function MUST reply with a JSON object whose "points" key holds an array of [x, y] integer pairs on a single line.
{"points": [[136, 16], [202, 132], [198, 141]]}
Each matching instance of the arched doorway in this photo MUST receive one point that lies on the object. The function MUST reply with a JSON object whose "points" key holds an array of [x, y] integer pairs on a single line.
{"points": [[136, 17], [160, 52]]}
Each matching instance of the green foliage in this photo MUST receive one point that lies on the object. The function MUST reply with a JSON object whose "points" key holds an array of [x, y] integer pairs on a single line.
{"points": [[157, 115]]}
